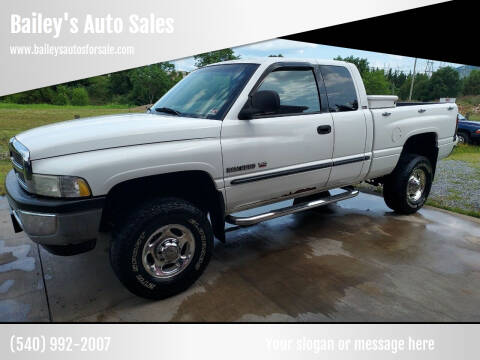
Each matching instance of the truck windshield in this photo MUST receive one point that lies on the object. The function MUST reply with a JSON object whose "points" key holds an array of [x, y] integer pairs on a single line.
{"points": [[206, 93]]}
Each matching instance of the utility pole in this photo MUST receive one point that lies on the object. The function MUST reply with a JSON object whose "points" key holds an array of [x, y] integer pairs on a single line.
{"points": [[429, 68], [413, 79]]}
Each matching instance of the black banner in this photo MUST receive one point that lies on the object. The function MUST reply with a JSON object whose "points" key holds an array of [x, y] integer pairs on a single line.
{"points": [[444, 32]]}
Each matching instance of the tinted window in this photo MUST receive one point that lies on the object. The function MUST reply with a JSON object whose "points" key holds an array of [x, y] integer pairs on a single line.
{"points": [[341, 92], [297, 90], [207, 92]]}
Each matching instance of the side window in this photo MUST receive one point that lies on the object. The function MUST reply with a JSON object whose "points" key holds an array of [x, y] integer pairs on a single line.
{"points": [[341, 93], [297, 90]]}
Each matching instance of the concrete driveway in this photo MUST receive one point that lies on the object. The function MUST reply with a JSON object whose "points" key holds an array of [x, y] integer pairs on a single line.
{"points": [[354, 261]]}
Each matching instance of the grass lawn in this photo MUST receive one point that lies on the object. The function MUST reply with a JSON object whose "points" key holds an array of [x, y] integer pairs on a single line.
{"points": [[15, 118], [474, 117], [468, 153]]}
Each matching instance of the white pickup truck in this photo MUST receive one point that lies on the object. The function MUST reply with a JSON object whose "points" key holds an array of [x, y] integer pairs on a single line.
{"points": [[230, 136]]}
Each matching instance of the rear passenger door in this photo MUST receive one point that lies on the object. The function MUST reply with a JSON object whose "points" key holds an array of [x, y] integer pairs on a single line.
{"points": [[349, 123]]}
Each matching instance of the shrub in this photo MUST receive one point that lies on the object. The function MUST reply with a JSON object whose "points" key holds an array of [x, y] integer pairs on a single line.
{"points": [[79, 96], [60, 99], [61, 95], [99, 90], [472, 83]]}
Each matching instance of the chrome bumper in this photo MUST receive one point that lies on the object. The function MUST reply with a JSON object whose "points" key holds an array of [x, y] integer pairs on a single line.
{"points": [[58, 229], [53, 221]]}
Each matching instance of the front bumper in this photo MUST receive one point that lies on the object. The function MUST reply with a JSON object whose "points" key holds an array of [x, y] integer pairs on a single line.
{"points": [[53, 222]]}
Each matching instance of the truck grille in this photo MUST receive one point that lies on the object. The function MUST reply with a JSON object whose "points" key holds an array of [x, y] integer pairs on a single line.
{"points": [[20, 158], [16, 157]]}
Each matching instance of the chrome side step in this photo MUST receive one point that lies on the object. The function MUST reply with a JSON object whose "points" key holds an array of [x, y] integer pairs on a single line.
{"points": [[350, 192]]}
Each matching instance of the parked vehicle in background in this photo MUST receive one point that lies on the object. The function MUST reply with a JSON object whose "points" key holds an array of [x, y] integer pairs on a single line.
{"points": [[468, 131], [228, 137]]}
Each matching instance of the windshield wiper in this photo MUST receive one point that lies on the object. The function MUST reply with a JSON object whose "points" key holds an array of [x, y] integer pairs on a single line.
{"points": [[168, 111]]}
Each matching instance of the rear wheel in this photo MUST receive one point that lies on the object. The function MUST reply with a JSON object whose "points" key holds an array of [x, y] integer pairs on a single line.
{"points": [[162, 248], [406, 189]]}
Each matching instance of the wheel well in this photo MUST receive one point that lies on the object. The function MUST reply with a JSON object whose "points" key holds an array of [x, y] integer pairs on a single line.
{"points": [[195, 186], [423, 144]]}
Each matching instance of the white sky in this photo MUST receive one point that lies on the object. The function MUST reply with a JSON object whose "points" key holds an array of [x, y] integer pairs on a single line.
{"points": [[297, 49]]}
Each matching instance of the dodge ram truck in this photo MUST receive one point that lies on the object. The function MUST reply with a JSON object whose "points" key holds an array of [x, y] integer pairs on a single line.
{"points": [[230, 136]]}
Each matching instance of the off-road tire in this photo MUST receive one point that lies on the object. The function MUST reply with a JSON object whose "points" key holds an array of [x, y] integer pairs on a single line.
{"points": [[395, 186], [129, 238]]}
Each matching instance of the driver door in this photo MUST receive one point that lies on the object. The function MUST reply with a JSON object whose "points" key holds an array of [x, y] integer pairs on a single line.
{"points": [[280, 155]]}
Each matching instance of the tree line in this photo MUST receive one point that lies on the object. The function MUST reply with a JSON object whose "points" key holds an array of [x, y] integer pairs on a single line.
{"points": [[445, 82], [146, 84], [137, 86]]}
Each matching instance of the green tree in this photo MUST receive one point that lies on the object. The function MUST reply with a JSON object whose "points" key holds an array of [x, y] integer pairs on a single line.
{"points": [[99, 90], [421, 90], [362, 64], [214, 57], [61, 95], [79, 96], [376, 83], [396, 79], [120, 83], [150, 82], [471, 85], [445, 82], [38, 96]]}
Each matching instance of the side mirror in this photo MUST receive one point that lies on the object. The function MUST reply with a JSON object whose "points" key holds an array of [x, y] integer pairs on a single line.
{"points": [[261, 102]]}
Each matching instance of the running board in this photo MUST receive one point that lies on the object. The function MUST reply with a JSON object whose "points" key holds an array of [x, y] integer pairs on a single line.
{"points": [[350, 192]]}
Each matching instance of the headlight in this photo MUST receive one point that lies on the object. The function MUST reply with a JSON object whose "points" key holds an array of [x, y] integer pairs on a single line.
{"points": [[60, 186]]}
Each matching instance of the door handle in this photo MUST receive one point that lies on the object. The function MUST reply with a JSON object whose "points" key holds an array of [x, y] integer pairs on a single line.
{"points": [[450, 108], [324, 129], [387, 113], [421, 111]]}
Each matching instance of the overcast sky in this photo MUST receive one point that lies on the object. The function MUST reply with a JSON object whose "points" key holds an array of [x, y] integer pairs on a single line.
{"points": [[297, 49]]}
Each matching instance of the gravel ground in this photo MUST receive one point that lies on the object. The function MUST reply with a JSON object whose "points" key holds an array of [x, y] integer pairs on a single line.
{"points": [[457, 184]]}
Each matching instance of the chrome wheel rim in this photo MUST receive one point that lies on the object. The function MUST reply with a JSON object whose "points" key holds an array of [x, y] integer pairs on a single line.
{"points": [[416, 185], [461, 139], [168, 251]]}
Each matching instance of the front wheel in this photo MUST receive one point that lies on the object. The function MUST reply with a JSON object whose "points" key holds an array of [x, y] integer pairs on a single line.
{"points": [[162, 248], [407, 188]]}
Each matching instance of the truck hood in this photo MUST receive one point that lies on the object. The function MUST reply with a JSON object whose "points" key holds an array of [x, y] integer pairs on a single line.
{"points": [[110, 131]]}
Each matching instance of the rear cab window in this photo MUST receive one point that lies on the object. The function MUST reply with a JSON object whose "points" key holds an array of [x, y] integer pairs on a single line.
{"points": [[341, 91]]}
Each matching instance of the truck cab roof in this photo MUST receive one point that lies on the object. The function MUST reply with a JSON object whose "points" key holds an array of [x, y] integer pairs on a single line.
{"points": [[272, 60]]}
